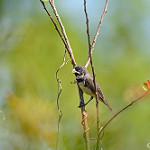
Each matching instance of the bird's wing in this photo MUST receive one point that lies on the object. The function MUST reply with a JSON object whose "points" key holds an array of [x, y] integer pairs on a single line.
{"points": [[102, 98], [89, 83], [100, 93]]}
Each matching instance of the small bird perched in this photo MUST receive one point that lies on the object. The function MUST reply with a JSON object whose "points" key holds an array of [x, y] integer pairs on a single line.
{"points": [[85, 82]]}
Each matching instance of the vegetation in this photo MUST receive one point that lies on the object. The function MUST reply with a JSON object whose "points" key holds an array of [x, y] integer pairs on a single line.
{"points": [[31, 52]]}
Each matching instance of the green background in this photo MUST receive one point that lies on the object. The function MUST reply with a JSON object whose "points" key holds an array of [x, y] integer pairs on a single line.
{"points": [[30, 53]]}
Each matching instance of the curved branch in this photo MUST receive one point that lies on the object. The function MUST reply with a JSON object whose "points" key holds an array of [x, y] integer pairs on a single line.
{"points": [[117, 114], [54, 23], [58, 97]]}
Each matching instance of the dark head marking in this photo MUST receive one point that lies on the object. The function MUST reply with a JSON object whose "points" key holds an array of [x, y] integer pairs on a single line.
{"points": [[78, 70]]}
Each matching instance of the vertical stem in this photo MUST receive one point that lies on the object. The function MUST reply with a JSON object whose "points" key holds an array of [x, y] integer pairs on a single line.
{"points": [[87, 24], [117, 114], [97, 102], [58, 98], [94, 81], [97, 116], [84, 121]]}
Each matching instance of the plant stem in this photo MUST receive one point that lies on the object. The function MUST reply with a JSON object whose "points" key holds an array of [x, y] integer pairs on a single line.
{"points": [[84, 121], [117, 114]]}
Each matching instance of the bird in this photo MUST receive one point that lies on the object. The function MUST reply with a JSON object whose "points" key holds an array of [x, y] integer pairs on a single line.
{"points": [[86, 84]]}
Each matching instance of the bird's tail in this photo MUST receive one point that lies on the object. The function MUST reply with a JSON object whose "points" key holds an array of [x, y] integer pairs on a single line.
{"points": [[106, 103], [102, 99]]}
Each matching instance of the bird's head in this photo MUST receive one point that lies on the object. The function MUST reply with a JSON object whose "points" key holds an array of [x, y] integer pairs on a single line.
{"points": [[79, 71]]}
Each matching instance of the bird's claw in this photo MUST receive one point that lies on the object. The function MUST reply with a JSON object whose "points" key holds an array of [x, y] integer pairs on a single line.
{"points": [[82, 105]]}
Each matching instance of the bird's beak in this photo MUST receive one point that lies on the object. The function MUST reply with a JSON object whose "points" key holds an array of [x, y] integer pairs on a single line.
{"points": [[74, 71]]}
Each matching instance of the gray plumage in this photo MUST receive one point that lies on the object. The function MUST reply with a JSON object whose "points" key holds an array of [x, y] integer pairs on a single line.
{"points": [[85, 82]]}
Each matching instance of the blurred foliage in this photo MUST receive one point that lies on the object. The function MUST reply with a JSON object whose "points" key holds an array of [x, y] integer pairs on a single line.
{"points": [[33, 118], [31, 52]]}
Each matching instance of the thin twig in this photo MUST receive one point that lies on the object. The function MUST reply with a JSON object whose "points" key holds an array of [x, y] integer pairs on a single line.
{"points": [[87, 24], [52, 3], [58, 97], [117, 114], [91, 62], [94, 81], [54, 23], [98, 30], [60, 34]]}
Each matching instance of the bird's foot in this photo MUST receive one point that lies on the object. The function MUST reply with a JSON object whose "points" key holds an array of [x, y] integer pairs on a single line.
{"points": [[82, 105]]}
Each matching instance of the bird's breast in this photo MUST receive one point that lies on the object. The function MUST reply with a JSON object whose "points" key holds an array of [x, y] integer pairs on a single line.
{"points": [[86, 89]]}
